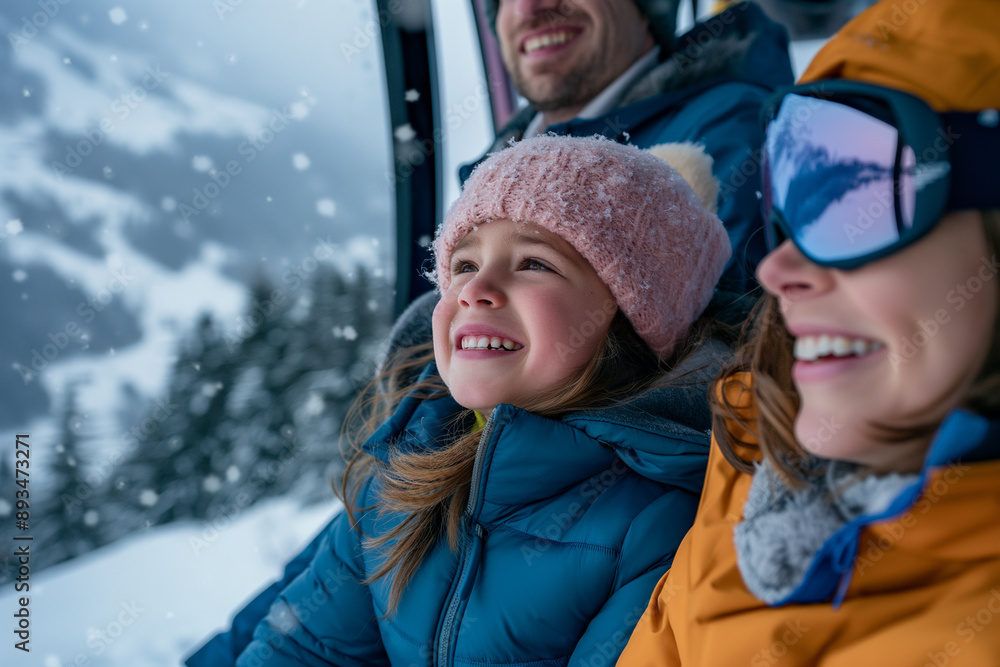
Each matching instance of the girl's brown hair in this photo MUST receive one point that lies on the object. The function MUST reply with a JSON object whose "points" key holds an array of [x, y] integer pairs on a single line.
{"points": [[430, 489], [762, 365]]}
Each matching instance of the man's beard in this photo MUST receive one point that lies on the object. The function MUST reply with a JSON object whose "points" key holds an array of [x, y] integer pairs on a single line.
{"points": [[575, 89]]}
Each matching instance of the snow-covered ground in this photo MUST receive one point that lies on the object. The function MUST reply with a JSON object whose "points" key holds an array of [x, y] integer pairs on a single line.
{"points": [[148, 601]]}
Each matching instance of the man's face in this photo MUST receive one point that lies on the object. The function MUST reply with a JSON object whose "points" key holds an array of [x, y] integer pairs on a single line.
{"points": [[562, 53]]}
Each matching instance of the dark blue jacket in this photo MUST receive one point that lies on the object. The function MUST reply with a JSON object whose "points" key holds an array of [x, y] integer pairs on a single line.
{"points": [[571, 524], [708, 91]]}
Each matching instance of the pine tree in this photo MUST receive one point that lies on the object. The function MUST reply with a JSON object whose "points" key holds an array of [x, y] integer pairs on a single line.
{"points": [[179, 455], [69, 521]]}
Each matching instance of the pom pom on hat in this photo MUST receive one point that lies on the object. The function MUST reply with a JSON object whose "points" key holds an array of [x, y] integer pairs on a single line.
{"points": [[632, 216], [695, 165]]}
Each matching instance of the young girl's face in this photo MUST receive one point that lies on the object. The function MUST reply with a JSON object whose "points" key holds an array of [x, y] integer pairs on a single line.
{"points": [[523, 312], [919, 322]]}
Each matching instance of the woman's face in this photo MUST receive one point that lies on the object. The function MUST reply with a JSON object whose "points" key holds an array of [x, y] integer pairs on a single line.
{"points": [[896, 342]]}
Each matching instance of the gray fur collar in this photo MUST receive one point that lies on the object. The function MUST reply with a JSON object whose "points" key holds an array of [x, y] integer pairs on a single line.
{"points": [[725, 55], [783, 528]]}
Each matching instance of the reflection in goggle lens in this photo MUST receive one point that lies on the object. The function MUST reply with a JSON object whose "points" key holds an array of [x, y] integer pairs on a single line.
{"points": [[829, 175]]}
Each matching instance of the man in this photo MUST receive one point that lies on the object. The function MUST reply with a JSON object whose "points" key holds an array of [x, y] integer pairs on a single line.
{"points": [[614, 67]]}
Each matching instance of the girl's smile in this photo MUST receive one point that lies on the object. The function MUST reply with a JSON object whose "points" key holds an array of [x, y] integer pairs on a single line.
{"points": [[506, 329]]}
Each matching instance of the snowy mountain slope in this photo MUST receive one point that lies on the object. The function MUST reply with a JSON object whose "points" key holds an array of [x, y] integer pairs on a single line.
{"points": [[149, 600]]}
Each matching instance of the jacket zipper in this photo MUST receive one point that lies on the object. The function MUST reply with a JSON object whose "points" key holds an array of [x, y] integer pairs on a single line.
{"points": [[471, 553]]}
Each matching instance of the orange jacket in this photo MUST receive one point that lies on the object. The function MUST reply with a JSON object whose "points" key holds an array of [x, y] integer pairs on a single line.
{"points": [[924, 587]]}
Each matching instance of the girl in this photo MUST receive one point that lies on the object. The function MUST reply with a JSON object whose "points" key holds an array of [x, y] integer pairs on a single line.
{"points": [[516, 503], [851, 514]]}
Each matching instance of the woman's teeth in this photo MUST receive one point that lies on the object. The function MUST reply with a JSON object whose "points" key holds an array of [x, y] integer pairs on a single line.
{"points": [[811, 348], [489, 343], [549, 39]]}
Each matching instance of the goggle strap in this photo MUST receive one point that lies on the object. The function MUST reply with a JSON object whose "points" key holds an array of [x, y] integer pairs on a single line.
{"points": [[975, 160]]}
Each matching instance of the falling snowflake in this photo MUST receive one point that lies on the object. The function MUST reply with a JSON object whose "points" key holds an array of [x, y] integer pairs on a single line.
{"points": [[168, 204], [201, 163], [412, 95], [5, 508], [349, 333], [67, 61], [299, 110], [301, 161], [108, 172], [232, 474], [91, 518], [326, 207], [20, 275], [405, 133], [314, 404], [14, 227], [148, 498], [118, 15], [212, 484], [211, 388]]}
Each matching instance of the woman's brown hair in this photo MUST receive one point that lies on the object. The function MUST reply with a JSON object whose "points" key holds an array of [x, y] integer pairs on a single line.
{"points": [[430, 489], [762, 365]]}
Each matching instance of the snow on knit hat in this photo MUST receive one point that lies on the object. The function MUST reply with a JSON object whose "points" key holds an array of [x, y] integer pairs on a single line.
{"points": [[946, 52], [631, 215]]}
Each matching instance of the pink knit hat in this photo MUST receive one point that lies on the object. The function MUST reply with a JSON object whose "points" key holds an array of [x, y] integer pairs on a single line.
{"points": [[631, 215]]}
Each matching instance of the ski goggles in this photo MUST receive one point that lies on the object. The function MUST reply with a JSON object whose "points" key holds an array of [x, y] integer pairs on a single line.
{"points": [[853, 172]]}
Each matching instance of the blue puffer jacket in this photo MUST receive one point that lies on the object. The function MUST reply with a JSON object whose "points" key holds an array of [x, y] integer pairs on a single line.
{"points": [[708, 91], [570, 524]]}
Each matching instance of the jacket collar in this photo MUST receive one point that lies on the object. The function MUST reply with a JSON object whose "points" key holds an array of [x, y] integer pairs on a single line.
{"points": [[824, 567], [662, 435]]}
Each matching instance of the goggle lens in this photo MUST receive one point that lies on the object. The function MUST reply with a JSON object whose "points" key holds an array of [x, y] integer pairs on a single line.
{"points": [[836, 179]]}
